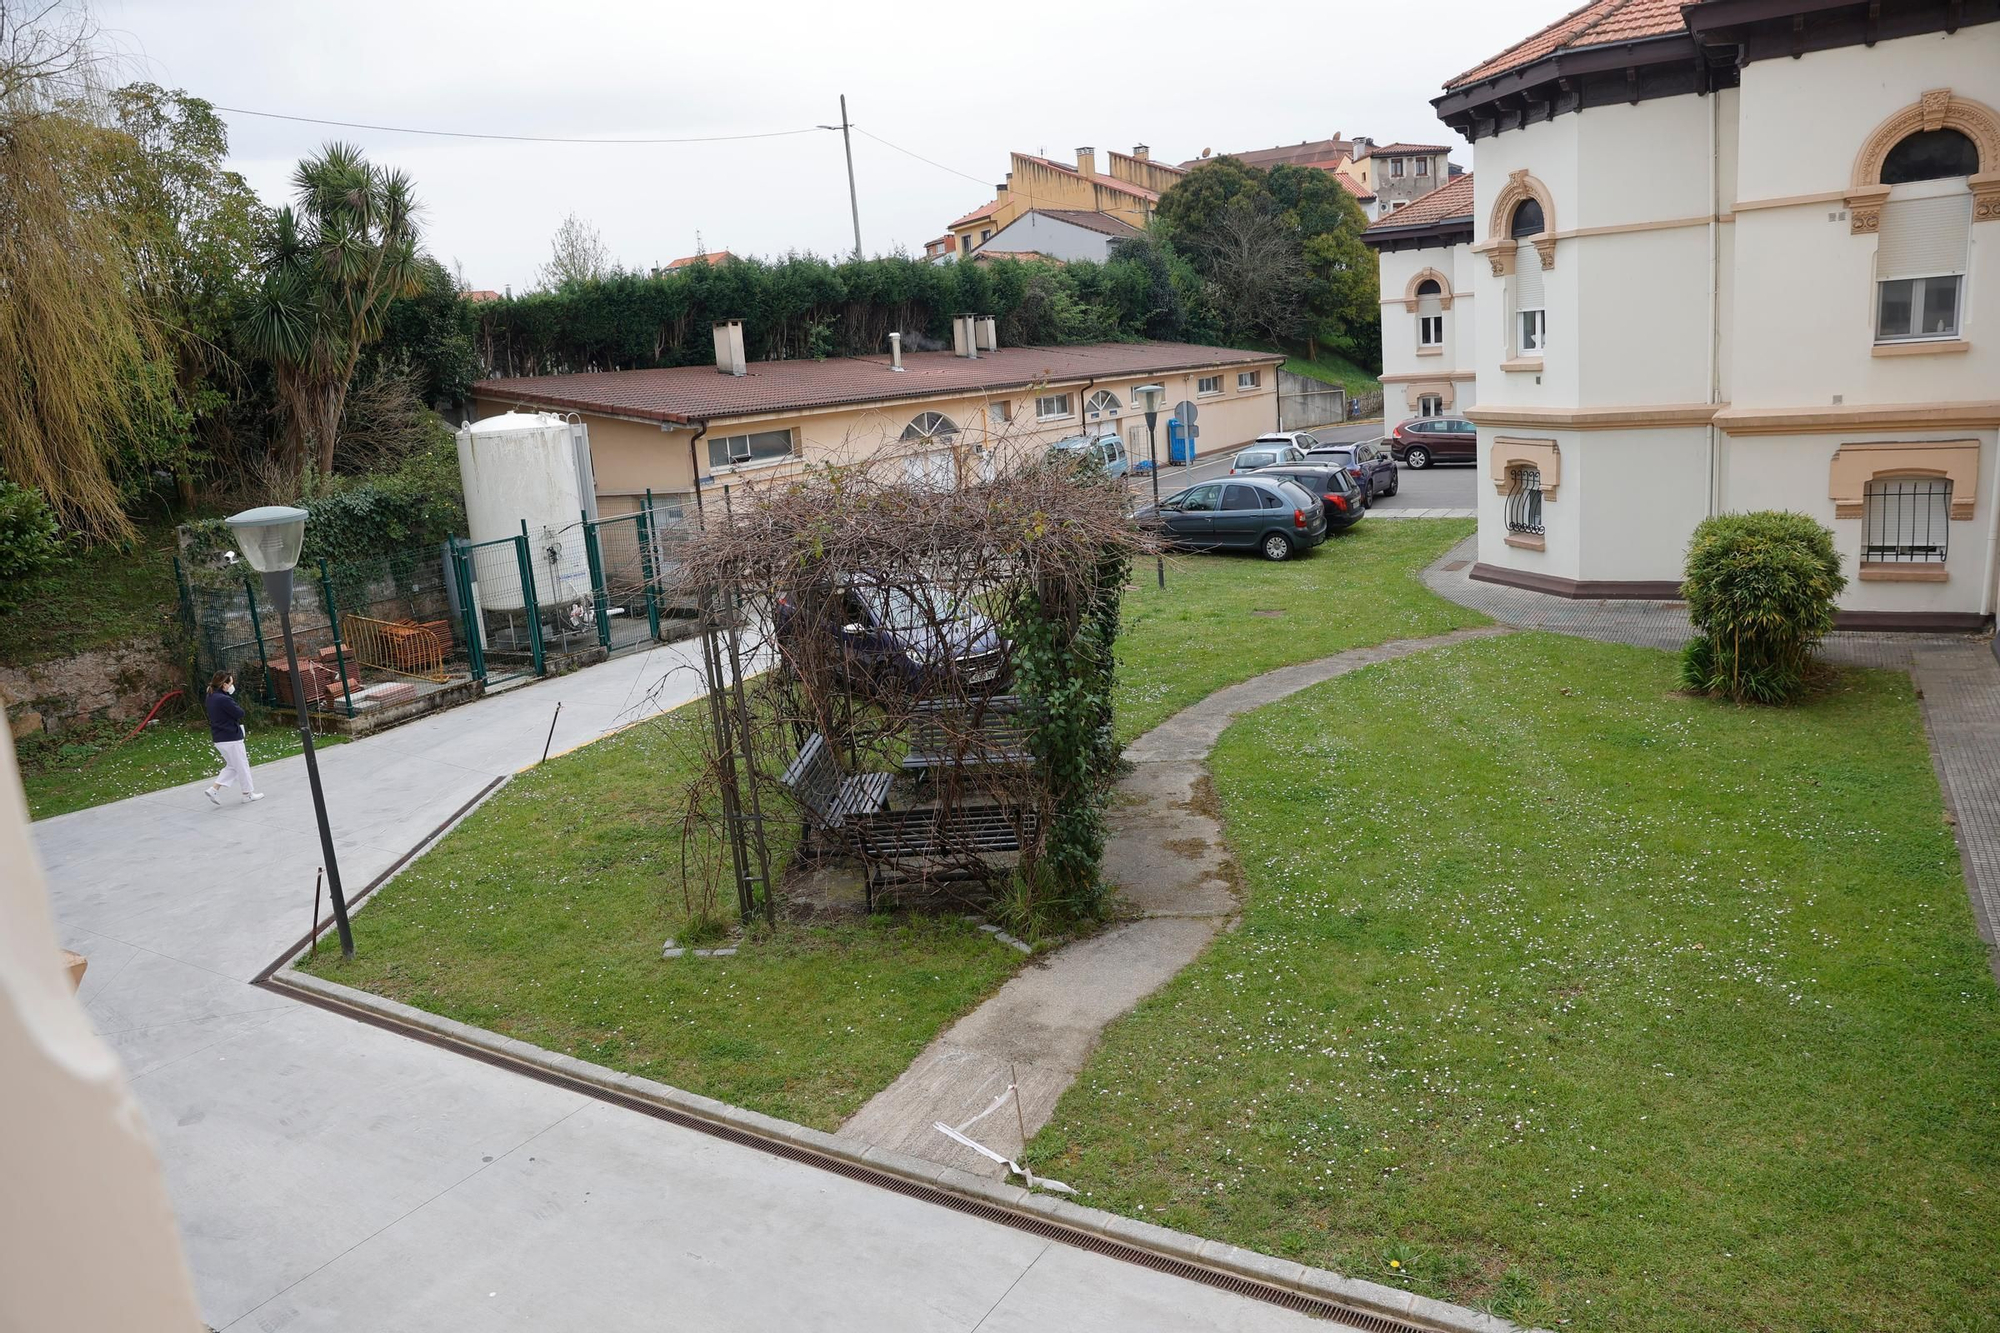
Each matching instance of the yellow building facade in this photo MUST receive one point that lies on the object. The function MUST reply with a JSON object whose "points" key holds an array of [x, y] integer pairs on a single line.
{"points": [[1127, 186]]}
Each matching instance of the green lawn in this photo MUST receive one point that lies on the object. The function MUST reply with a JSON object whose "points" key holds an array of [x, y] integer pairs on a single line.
{"points": [[1560, 992], [97, 598], [89, 766], [542, 916], [1358, 589]]}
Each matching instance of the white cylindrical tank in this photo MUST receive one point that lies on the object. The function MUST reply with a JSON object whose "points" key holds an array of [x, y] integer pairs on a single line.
{"points": [[521, 467]]}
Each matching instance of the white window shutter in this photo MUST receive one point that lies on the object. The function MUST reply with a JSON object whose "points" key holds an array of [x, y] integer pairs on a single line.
{"points": [[1923, 237], [1429, 305], [1527, 276]]}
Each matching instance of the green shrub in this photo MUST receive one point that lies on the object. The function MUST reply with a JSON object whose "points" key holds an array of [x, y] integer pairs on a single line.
{"points": [[1760, 590], [30, 539]]}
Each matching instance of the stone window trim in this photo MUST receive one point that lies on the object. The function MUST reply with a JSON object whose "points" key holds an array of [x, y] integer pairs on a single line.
{"points": [[1936, 109], [1855, 465], [1509, 452], [1498, 247], [1443, 390], [1410, 297]]}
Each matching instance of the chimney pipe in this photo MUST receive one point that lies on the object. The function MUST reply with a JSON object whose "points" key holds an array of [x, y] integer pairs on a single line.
{"points": [[989, 334], [896, 352], [962, 337], [729, 347], [1086, 162], [1143, 153]]}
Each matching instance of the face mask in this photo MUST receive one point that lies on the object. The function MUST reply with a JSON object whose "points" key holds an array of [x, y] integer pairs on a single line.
{"points": [[229, 689]]}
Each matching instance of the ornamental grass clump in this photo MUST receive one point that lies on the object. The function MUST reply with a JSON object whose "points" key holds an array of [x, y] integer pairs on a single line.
{"points": [[1760, 591]]}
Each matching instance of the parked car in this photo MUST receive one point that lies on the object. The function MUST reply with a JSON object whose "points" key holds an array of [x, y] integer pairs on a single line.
{"points": [[1265, 453], [894, 636], [1369, 465], [1421, 441], [1335, 487], [1106, 450], [1277, 518], [1302, 439]]}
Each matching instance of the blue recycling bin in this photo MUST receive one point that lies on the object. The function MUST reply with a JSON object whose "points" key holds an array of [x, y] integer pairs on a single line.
{"points": [[1180, 445]]}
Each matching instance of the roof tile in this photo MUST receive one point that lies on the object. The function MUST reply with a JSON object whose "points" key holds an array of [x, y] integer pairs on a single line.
{"points": [[700, 393], [1446, 201], [1595, 24]]}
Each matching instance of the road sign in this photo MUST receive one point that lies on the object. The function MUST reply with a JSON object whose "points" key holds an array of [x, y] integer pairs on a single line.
{"points": [[1186, 413]]}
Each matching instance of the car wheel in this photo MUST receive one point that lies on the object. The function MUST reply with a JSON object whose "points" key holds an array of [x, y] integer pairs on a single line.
{"points": [[1417, 457], [1395, 484], [1277, 546]]}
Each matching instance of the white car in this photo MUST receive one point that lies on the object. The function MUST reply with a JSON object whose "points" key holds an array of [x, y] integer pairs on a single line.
{"points": [[1267, 451]]}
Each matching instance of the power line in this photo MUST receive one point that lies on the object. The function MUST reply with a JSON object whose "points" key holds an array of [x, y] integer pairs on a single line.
{"points": [[518, 138], [921, 158]]}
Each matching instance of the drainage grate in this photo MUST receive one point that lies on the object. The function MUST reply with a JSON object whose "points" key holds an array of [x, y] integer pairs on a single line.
{"points": [[1314, 1306]]}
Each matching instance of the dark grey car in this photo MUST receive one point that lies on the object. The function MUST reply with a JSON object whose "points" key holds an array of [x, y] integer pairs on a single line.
{"points": [[1278, 519], [1369, 464]]}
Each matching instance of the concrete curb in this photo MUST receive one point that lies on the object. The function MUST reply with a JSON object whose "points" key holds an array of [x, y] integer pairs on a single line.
{"points": [[1363, 1297]]}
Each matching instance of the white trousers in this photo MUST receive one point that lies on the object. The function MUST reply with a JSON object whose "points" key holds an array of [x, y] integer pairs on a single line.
{"points": [[235, 766]]}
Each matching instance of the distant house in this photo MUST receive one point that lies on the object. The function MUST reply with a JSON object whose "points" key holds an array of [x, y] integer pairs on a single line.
{"points": [[941, 249], [1381, 179], [1127, 188], [1057, 233], [482, 294], [709, 257]]}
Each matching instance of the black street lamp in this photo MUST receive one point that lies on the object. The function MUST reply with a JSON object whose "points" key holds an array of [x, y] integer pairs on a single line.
{"points": [[271, 538], [1149, 396]]}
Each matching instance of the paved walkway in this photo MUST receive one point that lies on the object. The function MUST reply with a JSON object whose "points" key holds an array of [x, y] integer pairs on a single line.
{"points": [[1956, 676], [332, 1175], [1167, 859]]}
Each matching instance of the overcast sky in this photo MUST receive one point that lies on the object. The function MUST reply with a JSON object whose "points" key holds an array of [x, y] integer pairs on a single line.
{"points": [[958, 84]]}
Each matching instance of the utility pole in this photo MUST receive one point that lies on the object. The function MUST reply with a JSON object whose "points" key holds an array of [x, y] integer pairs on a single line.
{"points": [[847, 142]]}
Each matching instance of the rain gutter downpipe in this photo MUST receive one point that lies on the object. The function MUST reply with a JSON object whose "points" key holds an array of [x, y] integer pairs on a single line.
{"points": [[1714, 295]]}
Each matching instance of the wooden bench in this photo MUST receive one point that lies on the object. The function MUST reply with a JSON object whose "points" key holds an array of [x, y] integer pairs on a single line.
{"points": [[858, 808], [985, 734]]}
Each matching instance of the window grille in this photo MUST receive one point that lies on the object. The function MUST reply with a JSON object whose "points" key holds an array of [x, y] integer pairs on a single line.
{"points": [[1524, 500], [1905, 521]]}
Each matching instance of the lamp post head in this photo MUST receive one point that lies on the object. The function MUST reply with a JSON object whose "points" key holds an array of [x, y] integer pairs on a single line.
{"points": [[271, 537], [1149, 396]]}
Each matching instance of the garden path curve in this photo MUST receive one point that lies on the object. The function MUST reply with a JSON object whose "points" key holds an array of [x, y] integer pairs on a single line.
{"points": [[1175, 890]]}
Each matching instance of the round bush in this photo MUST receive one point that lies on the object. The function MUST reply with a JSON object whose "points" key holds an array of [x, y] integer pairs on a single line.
{"points": [[30, 539], [1760, 590]]}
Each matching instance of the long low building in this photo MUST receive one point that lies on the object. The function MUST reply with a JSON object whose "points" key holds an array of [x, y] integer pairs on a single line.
{"points": [[685, 432]]}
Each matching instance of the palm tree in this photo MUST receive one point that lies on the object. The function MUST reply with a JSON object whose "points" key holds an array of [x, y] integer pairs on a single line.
{"points": [[332, 265]]}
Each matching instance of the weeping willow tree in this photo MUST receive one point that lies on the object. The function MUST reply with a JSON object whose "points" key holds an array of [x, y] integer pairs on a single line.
{"points": [[332, 266], [77, 349]]}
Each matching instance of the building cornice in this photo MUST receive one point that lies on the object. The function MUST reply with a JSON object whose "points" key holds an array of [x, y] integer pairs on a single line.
{"points": [[1594, 418], [1979, 414]]}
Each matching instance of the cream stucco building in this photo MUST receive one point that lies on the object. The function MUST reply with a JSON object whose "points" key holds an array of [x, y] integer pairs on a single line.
{"points": [[1721, 256], [686, 433]]}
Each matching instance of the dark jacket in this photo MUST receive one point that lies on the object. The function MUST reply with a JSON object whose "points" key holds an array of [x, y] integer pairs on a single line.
{"points": [[225, 717]]}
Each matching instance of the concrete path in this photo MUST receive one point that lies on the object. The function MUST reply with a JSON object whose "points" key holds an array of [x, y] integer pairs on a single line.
{"points": [[1175, 885], [332, 1175], [1956, 676]]}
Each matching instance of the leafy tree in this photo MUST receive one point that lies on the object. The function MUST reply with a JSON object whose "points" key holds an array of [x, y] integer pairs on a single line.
{"points": [[332, 266], [577, 255], [428, 335], [1280, 254], [75, 340]]}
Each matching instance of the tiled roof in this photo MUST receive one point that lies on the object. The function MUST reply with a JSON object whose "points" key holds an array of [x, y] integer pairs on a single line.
{"points": [[713, 257], [1595, 24], [1090, 221], [1353, 186], [1307, 153], [984, 210], [1446, 201], [1403, 149], [700, 393], [481, 294]]}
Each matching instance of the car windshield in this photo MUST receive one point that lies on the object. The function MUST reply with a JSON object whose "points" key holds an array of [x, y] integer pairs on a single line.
{"points": [[911, 608], [1256, 457]]}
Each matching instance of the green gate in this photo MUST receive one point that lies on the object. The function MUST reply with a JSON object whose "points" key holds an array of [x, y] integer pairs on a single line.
{"points": [[499, 607], [631, 575]]}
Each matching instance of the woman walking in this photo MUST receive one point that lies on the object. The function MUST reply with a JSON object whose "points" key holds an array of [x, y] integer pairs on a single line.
{"points": [[225, 728]]}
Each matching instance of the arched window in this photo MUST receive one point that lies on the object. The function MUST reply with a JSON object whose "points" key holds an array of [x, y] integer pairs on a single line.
{"points": [[930, 428], [1429, 287], [1103, 403], [1930, 155], [1430, 314], [1527, 220]]}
